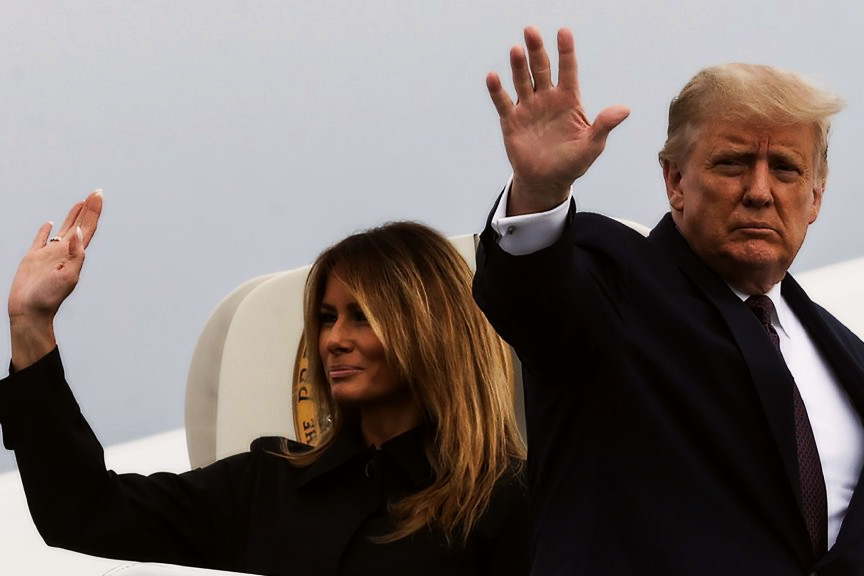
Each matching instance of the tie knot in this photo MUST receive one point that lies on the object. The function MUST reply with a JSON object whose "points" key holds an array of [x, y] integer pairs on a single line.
{"points": [[763, 307]]}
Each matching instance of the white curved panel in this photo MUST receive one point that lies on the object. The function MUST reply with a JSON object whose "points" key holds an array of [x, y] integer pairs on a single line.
{"points": [[147, 569], [838, 288], [255, 379], [466, 245], [202, 383]]}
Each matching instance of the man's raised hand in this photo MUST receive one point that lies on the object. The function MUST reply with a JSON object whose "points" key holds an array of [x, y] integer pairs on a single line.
{"points": [[548, 138]]}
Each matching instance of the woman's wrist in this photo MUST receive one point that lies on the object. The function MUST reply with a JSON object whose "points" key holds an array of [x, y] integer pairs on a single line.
{"points": [[32, 338]]}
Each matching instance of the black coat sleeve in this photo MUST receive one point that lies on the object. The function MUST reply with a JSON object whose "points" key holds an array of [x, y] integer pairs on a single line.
{"points": [[188, 519]]}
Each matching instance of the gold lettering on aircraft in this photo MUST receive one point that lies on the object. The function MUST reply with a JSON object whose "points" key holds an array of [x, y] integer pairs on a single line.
{"points": [[310, 412]]}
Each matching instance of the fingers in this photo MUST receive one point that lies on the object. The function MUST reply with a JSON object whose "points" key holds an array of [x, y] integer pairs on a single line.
{"points": [[500, 98], [70, 218], [538, 59], [81, 221], [42, 235], [76, 244], [521, 75], [568, 70], [533, 73], [88, 217]]}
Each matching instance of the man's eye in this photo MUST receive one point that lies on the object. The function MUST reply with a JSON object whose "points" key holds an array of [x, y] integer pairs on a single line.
{"points": [[787, 172], [729, 166], [787, 168]]}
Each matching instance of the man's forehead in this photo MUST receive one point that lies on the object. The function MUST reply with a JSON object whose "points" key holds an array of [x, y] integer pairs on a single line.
{"points": [[753, 133]]}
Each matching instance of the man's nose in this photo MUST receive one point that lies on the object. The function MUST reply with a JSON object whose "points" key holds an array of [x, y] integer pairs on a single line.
{"points": [[758, 190]]}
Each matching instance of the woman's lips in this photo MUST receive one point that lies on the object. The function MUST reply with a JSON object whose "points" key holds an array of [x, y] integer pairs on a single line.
{"points": [[343, 371]]}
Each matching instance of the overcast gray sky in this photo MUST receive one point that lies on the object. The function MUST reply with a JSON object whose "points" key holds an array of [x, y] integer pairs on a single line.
{"points": [[235, 138]]}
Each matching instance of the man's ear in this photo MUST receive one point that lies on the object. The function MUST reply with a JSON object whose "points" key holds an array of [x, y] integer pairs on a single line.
{"points": [[818, 192], [672, 176]]}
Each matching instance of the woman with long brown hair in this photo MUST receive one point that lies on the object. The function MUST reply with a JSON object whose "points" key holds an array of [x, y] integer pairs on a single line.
{"points": [[418, 473]]}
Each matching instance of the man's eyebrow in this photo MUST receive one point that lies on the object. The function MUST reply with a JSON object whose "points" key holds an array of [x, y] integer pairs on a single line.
{"points": [[732, 151], [732, 143], [787, 155]]}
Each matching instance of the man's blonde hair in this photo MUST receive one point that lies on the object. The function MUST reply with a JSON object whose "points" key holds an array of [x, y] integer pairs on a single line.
{"points": [[749, 92]]}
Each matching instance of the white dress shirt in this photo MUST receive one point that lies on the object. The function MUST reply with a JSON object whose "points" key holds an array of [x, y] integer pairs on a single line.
{"points": [[836, 424]]}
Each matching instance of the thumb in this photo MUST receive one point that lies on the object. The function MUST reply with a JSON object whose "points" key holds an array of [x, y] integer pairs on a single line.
{"points": [[606, 121]]}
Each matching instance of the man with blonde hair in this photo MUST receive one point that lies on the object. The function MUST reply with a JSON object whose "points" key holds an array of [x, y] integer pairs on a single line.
{"points": [[690, 410]]}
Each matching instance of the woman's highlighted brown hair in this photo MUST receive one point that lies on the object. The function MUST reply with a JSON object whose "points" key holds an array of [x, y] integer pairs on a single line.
{"points": [[415, 290]]}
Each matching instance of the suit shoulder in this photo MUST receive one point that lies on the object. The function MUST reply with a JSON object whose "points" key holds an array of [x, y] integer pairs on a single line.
{"points": [[597, 232], [839, 327], [594, 221]]}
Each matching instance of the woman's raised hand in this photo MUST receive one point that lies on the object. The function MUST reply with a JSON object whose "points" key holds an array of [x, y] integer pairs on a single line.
{"points": [[547, 135], [45, 277]]}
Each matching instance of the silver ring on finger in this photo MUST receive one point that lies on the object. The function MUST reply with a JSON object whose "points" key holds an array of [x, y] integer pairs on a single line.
{"points": [[55, 239]]}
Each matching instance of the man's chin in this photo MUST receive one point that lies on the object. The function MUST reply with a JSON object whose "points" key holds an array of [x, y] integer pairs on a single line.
{"points": [[754, 267], [756, 253]]}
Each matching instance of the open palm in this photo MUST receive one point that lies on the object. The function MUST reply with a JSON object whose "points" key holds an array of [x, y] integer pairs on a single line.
{"points": [[547, 135]]}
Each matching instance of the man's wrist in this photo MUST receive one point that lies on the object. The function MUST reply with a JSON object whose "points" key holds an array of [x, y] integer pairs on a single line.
{"points": [[524, 200], [527, 233]]}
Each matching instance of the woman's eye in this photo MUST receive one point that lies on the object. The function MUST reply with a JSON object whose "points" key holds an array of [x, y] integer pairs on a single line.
{"points": [[326, 319], [359, 316]]}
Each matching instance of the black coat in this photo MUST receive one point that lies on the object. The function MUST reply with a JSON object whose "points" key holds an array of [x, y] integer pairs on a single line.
{"points": [[660, 419], [253, 512]]}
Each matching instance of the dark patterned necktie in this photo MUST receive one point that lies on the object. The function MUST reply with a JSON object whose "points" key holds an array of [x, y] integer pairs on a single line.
{"points": [[813, 497]]}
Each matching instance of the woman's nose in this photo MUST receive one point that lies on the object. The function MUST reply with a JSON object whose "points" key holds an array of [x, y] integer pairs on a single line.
{"points": [[338, 338]]}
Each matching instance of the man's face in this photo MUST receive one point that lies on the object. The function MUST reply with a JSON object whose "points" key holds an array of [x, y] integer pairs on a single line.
{"points": [[744, 196]]}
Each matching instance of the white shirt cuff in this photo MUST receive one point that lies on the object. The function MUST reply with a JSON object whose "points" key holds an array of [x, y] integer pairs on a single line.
{"points": [[527, 233]]}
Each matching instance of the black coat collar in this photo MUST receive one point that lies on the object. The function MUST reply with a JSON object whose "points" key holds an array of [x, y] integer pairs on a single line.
{"points": [[406, 451]]}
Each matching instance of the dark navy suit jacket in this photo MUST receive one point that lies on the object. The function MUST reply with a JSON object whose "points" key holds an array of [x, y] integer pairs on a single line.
{"points": [[660, 417]]}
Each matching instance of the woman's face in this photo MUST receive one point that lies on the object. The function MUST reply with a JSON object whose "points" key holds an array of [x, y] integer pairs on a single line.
{"points": [[353, 356]]}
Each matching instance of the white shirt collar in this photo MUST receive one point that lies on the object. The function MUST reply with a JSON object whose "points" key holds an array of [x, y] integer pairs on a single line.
{"points": [[782, 312]]}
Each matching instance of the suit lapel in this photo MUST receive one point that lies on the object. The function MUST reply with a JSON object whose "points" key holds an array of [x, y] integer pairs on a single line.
{"points": [[771, 378], [832, 339], [833, 342]]}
